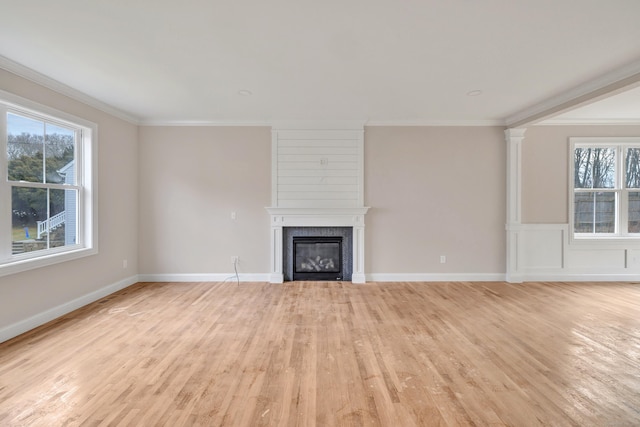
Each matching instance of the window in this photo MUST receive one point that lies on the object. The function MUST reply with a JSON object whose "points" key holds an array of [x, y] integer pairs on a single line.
{"points": [[47, 189], [605, 187]]}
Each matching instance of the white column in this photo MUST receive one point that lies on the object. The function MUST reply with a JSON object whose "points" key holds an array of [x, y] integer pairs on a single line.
{"points": [[357, 275], [514, 138], [276, 275]]}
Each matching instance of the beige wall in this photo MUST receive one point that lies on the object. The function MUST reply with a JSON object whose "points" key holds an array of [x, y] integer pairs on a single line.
{"points": [[26, 294], [545, 169], [435, 191], [191, 179]]}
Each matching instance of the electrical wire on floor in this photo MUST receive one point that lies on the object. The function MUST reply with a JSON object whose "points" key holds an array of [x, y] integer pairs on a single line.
{"points": [[235, 276], [235, 268]]}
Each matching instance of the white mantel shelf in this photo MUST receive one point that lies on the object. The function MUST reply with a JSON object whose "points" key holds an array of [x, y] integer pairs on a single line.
{"points": [[317, 217], [342, 215]]}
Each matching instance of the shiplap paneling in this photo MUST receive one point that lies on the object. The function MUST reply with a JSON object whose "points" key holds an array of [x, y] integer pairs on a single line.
{"points": [[317, 168]]}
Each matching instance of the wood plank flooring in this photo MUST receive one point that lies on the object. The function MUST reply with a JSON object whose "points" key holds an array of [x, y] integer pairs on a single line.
{"points": [[333, 354]]}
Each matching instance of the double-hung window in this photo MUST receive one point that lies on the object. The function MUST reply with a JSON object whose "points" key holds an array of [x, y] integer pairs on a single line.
{"points": [[605, 190], [47, 190]]}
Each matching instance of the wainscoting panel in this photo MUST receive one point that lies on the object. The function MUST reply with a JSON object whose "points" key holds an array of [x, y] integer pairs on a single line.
{"points": [[545, 252]]}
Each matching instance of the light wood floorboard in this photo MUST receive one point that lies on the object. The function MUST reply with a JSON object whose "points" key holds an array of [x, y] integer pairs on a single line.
{"points": [[333, 354]]}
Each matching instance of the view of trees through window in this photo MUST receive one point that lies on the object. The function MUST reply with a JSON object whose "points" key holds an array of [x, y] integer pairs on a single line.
{"points": [[604, 180], [41, 162]]}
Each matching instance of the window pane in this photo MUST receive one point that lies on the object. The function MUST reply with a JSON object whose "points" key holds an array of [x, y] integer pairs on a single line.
{"points": [[59, 153], [595, 212], [594, 167], [583, 212], [62, 222], [25, 145], [32, 229], [632, 168], [28, 207], [605, 212], [634, 212]]}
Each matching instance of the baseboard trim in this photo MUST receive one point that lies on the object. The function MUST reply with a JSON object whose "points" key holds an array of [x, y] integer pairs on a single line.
{"points": [[373, 277], [208, 277], [431, 277], [580, 277], [39, 319]]}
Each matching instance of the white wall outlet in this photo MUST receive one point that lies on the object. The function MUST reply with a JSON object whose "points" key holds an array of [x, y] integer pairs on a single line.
{"points": [[125, 263], [443, 259], [234, 259], [233, 215]]}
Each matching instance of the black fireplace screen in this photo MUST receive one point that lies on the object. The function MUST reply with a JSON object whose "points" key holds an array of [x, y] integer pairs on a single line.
{"points": [[317, 258]]}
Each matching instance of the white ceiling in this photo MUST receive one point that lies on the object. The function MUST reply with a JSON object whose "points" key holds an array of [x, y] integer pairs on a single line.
{"points": [[382, 61]]}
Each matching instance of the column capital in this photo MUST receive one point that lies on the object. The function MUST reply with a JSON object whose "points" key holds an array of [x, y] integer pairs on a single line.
{"points": [[512, 134]]}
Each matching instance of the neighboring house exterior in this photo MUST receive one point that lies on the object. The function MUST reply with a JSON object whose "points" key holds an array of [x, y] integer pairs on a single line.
{"points": [[68, 172]]}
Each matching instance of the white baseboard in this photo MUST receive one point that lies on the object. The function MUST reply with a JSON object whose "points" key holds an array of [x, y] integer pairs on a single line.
{"points": [[206, 277], [579, 277], [32, 322], [432, 277], [374, 277]]}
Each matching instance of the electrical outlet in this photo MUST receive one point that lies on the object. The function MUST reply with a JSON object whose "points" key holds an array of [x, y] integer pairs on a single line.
{"points": [[443, 259], [234, 259], [125, 263], [234, 215]]}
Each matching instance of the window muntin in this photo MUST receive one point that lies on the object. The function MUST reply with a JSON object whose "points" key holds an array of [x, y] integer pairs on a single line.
{"points": [[47, 188], [605, 172]]}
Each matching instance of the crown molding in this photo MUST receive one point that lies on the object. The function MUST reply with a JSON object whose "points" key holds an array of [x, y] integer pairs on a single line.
{"points": [[434, 123], [587, 122], [604, 86], [206, 123], [319, 124], [61, 88]]}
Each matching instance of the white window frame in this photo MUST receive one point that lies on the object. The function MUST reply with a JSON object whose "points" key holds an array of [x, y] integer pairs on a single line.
{"points": [[621, 144], [87, 173]]}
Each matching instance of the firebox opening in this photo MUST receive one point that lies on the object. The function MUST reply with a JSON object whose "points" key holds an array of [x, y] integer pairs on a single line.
{"points": [[317, 258]]}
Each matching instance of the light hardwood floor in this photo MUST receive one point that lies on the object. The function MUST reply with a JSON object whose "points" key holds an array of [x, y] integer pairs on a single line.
{"points": [[333, 353]]}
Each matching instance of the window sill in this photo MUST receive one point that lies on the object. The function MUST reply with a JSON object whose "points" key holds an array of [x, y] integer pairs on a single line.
{"points": [[613, 241], [21, 265]]}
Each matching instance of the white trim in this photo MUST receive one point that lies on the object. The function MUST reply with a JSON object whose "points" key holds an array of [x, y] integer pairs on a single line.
{"points": [[586, 122], [436, 277], [39, 319], [291, 124], [437, 123], [321, 217], [204, 277], [206, 123], [36, 77], [618, 76], [581, 277], [87, 162], [310, 125], [372, 277], [20, 265], [619, 189], [514, 139]]}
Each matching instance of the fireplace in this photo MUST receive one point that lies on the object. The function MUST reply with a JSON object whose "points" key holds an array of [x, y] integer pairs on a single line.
{"points": [[317, 182], [317, 253], [317, 258]]}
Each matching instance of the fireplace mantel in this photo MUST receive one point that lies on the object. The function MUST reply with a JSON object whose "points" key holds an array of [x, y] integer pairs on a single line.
{"points": [[317, 217]]}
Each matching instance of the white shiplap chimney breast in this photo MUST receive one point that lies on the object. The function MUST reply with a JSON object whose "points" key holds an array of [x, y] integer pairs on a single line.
{"points": [[317, 168], [317, 181]]}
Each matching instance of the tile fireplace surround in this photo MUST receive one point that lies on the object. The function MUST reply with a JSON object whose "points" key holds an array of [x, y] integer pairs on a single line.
{"points": [[316, 217]]}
